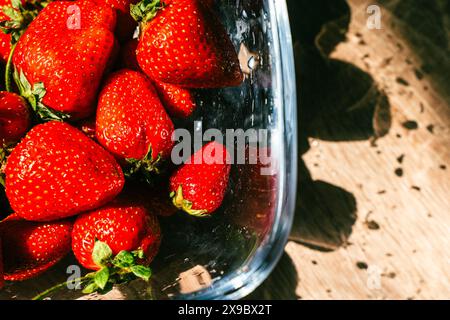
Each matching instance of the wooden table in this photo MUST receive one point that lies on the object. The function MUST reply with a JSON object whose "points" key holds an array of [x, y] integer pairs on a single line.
{"points": [[373, 219]]}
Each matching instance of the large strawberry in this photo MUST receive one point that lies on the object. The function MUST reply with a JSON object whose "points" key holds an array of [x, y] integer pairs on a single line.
{"points": [[14, 118], [62, 56], [56, 171], [131, 121], [198, 187], [179, 102], [30, 248], [182, 42]]}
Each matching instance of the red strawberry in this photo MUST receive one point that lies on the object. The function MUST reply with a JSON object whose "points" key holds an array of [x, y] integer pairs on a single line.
{"points": [[122, 225], [14, 118], [131, 121], [198, 187], [30, 248], [179, 102], [183, 43], [62, 57], [56, 172]]}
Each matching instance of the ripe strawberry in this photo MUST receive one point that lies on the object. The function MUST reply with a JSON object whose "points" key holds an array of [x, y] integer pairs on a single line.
{"points": [[122, 225], [198, 187], [131, 122], [179, 102], [183, 43], [62, 56], [56, 172], [14, 118], [2, 277], [30, 248]]}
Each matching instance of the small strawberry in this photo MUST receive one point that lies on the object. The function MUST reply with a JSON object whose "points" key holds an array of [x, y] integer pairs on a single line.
{"points": [[183, 43], [131, 121], [198, 187], [15, 119], [56, 172], [179, 102], [30, 248], [62, 56]]}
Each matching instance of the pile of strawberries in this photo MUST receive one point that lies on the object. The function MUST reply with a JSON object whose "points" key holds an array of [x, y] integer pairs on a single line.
{"points": [[91, 88]]}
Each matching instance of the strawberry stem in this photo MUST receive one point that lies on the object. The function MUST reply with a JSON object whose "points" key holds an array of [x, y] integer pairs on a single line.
{"points": [[8, 73]]}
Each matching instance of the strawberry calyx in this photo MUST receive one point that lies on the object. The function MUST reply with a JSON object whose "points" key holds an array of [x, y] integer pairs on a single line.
{"points": [[186, 205], [146, 10], [147, 165], [120, 268], [34, 95]]}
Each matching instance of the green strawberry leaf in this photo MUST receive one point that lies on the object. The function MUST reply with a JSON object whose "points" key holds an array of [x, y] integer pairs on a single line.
{"points": [[141, 272], [186, 205], [146, 10], [138, 254], [123, 259], [101, 253], [101, 278], [147, 166]]}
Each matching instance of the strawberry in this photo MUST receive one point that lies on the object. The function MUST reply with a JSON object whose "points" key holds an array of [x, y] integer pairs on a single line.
{"points": [[15, 118], [131, 121], [56, 171], [179, 102], [198, 187], [62, 56], [2, 276], [30, 248], [183, 43], [122, 225]]}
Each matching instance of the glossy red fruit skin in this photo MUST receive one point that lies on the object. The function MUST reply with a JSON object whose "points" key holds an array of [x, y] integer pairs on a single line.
{"points": [[30, 248], [87, 126], [70, 62], [179, 102], [15, 118], [204, 184], [123, 225], [56, 171], [186, 45], [131, 118], [5, 39]]}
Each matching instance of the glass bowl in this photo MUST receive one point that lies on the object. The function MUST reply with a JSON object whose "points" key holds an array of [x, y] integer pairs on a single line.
{"points": [[229, 254]]}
